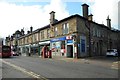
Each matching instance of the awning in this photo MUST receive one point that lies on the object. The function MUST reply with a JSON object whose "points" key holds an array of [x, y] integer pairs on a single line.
{"points": [[45, 42]]}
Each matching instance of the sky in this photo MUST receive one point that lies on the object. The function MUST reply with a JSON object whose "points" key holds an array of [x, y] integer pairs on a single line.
{"points": [[22, 14]]}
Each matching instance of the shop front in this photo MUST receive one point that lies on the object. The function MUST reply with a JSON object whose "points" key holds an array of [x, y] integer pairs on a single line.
{"points": [[63, 47], [57, 47], [34, 49], [41, 45], [25, 50]]}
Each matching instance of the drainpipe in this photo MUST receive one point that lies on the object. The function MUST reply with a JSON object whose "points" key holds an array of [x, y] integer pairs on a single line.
{"points": [[87, 24]]}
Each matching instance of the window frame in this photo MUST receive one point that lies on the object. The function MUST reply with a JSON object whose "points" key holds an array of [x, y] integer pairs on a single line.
{"points": [[65, 28]]}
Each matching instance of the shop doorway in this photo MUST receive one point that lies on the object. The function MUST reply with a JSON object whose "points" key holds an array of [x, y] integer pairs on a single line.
{"points": [[70, 51]]}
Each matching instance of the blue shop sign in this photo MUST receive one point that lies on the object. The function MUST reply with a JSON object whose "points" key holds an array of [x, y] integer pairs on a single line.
{"points": [[58, 39], [69, 41]]}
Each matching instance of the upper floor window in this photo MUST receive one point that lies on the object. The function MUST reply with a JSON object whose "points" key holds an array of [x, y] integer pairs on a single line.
{"points": [[48, 33], [96, 32], [56, 31], [37, 37], [33, 38], [65, 28], [42, 34]]}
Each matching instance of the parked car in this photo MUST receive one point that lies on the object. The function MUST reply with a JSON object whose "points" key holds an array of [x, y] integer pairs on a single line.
{"points": [[112, 52], [14, 53]]}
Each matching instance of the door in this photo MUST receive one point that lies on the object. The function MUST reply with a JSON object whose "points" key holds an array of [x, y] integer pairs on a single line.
{"points": [[70, 51]]}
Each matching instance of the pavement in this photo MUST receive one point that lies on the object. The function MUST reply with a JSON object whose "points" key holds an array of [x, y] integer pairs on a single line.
{"points": [[112, 62]]}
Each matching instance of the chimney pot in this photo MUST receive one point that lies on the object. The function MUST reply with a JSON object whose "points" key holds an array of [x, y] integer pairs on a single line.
{"points": [[90, 17]]}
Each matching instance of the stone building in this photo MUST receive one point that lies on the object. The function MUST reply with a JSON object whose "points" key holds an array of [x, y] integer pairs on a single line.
{"points": [[74, 37]]}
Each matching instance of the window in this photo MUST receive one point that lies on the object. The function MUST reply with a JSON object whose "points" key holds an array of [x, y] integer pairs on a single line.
{"points": [[98, 33], [56, 31], [65, 28], [42, 34], [37, 37], [33, 37], [94, 32], [48, 33]]}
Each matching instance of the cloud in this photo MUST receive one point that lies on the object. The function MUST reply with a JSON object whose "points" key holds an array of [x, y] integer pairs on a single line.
{"points": [[102, 8], [14, 17]]}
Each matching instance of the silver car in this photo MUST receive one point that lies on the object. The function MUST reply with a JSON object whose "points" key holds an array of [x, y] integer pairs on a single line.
{"points": [[112, 52]]}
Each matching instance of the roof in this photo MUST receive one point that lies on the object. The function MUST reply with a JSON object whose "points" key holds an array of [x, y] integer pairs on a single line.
{"points": [[65, 19], [70, 17], [77, 15], [35, 31]]}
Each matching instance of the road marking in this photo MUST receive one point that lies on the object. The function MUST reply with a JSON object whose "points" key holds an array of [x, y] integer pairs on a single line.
{"points": [[115, 65], [116, 62], [30, 73]]}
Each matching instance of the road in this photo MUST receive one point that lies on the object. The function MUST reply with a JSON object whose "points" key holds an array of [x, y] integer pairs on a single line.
{"points": [[10, 72], [51, 68]]}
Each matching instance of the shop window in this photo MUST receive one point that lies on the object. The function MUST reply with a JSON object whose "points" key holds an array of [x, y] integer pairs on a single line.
{"points": [[62, 48], [62, 44]]}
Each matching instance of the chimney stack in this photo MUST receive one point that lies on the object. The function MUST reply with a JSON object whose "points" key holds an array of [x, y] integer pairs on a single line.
{"points": [[90, 17], [28, 32], [22, 32], [31, 28], [108, 22], [85, 10], [52, 17]]}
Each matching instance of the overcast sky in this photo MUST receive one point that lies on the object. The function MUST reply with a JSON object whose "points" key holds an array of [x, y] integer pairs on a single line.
{"points": [[19, 14]]}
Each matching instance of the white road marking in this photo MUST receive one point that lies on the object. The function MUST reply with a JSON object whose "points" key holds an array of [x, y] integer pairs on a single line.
{"points": [[115, 65], [116, 62], [114, 68], [32, 74]]}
